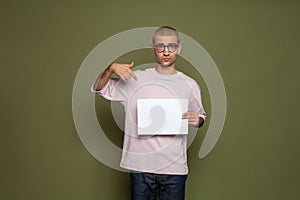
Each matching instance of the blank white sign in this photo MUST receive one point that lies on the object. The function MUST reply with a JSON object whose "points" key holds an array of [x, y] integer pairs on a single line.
{"points": [[162, 116]]}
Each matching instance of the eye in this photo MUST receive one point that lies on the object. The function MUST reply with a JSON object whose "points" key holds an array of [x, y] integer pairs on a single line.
{"points": [[172, 47], [160, 46]]}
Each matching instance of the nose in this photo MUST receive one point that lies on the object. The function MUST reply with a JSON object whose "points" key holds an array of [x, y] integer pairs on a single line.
{"points": [[166, 51]]}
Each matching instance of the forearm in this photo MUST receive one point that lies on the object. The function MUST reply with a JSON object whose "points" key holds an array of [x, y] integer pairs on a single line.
{"points": [[103, 78]]}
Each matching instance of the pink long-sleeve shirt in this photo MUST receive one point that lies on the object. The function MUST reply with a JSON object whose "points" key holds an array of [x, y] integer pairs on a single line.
{"points": [[154, 154]]}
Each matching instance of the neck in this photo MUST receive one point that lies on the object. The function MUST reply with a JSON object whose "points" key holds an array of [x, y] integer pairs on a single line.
{"points": [[166, 70]]}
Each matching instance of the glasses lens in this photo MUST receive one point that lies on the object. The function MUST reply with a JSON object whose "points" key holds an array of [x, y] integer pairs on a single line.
{"points": [[172, 48], [160, 47]]}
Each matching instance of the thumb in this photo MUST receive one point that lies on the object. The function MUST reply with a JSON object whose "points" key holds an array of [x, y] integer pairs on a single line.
{"points": [[131, 64]]}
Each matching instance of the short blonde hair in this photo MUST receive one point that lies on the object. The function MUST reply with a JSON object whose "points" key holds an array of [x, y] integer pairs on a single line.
{"points": [[165, 31]]}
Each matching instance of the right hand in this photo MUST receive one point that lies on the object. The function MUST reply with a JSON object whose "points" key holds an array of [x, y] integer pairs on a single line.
{"points": [[123, 70]]}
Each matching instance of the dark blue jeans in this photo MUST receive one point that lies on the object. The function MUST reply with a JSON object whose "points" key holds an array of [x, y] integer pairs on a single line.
{"points": [[146, 186]]}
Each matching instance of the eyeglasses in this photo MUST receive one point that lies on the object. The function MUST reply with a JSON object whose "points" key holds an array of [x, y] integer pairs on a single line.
{"points": [[172, 47]]}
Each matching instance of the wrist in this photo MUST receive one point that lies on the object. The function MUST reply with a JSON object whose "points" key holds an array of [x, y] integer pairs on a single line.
{"points": [[201, 122], [111, 68]]}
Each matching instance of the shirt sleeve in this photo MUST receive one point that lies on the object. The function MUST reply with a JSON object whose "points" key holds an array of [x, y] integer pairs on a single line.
{"points": [[114, 90], [195, 104]]}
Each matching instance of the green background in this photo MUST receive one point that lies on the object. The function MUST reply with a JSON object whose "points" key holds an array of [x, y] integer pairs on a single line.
{"points": [[255, 45]]}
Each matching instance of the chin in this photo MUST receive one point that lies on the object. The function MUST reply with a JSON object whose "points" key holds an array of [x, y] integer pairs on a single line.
{"points": [[165, 64]]}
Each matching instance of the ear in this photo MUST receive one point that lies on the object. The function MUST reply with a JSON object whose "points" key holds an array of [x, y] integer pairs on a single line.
{"points": [[152, 47], [179, 48]]}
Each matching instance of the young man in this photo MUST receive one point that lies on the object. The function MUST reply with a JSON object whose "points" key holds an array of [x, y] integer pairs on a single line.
{"points": [[158, 163]]}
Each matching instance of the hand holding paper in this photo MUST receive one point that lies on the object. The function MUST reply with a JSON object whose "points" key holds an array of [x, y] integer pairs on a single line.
{"points": [[193, 118]]}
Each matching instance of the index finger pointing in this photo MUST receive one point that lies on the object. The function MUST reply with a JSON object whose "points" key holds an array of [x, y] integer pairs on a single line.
{"points": [[133, 75]]}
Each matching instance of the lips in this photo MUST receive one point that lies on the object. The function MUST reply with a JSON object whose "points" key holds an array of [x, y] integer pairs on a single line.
{"points": [[166, 59]]}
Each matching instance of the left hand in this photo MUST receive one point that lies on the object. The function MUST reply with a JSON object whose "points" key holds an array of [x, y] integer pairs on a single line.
{"points": [[192, 117]]}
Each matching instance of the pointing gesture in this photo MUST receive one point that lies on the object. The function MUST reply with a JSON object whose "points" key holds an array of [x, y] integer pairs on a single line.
{"points": [[123, 70]]}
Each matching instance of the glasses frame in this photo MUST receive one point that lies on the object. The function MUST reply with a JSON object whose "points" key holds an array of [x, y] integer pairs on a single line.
{"points": [[156, 46]]}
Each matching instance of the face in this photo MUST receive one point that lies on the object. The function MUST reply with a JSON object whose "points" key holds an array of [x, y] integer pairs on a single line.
{"points": [[163, 50]]}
